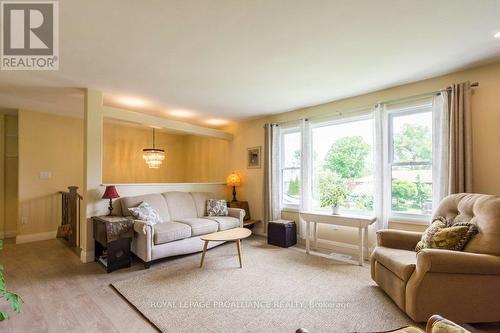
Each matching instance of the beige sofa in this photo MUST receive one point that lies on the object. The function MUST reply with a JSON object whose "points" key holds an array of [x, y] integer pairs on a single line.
{"points": [[462, 286], [184, 220]]}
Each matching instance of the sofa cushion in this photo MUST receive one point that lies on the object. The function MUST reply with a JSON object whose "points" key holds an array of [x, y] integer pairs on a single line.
{"points": [[225, 222], [217, 207], [401, 262], [170, 231], [145, 212], [180, 205], [200, 226], [481, 209], [200, 199], [155, 200]]}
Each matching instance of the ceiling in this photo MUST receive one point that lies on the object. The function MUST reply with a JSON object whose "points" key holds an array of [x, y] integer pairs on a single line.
{"points": [[233, 60]]}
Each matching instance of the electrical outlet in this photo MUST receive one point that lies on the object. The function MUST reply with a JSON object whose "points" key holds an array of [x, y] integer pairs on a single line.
{"points": [[24, 220], [45, 175]]}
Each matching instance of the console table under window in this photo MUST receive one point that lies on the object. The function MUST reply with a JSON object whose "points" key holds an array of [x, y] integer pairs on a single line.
{"points": [[359, 222]]}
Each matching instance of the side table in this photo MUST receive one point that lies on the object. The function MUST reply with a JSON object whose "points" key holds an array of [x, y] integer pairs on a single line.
{"points": [[113, 235], [247, 220]]}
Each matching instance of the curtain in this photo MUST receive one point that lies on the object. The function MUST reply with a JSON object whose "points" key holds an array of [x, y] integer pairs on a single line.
{"points": [[460, 138], [440, 148], [272, 210], [306, 167], [381, 190]]}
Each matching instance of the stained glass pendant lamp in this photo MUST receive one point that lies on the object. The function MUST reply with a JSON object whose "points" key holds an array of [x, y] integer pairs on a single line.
{"points": [[153, 156]]}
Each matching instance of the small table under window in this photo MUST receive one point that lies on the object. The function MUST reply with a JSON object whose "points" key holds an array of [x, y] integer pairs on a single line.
{"points": [[354, 221]]}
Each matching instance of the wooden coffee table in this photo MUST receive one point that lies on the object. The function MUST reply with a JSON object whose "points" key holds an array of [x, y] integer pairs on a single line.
{"points": [[231, 235]]}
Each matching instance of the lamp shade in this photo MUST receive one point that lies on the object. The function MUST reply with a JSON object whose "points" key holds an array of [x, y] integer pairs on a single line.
{"points": [[110, 193], [233, 179]]}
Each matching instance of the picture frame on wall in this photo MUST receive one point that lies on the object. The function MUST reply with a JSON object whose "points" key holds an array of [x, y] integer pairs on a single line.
{"points": [[254, 157]]}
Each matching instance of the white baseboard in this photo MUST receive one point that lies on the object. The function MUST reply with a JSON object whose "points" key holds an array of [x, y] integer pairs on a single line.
{"points": [[36, 237], [86, 256], [8, 234]]}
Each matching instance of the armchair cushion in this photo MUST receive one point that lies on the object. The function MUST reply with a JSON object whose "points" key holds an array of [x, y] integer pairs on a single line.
{"points": [[481, 209], [443, 235], [400, 262], [398, 239], [454, 262]]}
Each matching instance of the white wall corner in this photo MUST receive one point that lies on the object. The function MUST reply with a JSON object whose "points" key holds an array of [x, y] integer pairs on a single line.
{"points": [[87, 256]]}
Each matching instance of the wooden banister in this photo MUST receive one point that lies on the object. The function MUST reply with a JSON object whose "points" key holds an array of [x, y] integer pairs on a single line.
{"points": [[70, 216]]}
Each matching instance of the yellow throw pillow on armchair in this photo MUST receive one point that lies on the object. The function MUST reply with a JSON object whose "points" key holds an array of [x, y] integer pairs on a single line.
{"points": [[442, 234]]}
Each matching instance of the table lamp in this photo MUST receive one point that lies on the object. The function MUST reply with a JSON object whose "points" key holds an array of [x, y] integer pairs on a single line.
{"points": [[233, 180], [110, 193]]}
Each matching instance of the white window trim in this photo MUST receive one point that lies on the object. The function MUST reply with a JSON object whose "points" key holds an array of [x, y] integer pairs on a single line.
{"points": [[367, 114], [283, 132], [382, 172], [388, 145]]}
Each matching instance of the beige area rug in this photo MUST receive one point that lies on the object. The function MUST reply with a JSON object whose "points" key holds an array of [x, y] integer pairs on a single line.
{"points": [[277, 290]]}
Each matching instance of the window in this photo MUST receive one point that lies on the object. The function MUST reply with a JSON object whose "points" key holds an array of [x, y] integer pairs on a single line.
{"points": [[410, 160], [290, 167], [342, 166], [373, 160]]}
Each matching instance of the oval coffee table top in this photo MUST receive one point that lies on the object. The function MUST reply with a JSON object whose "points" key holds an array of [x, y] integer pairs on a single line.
{"points": [[228, 235]]}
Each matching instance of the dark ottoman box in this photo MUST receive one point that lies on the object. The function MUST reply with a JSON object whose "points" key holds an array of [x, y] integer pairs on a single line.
{"points": [[282, 233]]}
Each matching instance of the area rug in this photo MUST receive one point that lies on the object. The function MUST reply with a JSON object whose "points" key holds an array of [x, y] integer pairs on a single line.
{"points": [[277, 290]]}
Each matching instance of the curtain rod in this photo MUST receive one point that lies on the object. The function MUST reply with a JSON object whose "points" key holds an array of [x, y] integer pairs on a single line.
{"points": [[341, 112], [435, 92]]}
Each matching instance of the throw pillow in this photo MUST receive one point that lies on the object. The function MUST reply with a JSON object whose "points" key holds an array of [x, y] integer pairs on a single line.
{"points": [[217, 207], [145, 212], [442, 234]]}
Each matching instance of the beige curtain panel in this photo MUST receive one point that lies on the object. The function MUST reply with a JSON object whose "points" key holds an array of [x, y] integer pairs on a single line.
{"points": [[271, 174], [460, 143]]}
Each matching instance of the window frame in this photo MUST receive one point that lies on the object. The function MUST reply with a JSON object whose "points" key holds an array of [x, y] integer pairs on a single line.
{"points": [[389, 163], [285, 131], [343, 119]]}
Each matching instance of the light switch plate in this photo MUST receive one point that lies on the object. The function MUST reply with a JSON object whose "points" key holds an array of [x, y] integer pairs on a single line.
{"points": [[45, 175]]}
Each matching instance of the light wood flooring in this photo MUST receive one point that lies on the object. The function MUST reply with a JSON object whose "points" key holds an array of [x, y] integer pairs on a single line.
{"points": [[63, 295]]}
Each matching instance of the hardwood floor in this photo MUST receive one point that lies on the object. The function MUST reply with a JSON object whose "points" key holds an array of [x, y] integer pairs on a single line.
{"points": [[63, 295]]}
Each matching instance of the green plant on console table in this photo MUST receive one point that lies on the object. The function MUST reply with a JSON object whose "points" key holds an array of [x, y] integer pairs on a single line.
{"points": [[14, 299]]}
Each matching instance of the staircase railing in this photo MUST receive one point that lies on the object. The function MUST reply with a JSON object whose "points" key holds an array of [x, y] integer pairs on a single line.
{"points": [[70, 216]]}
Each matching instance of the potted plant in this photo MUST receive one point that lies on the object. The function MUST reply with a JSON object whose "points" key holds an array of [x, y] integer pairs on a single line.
{"points": [[14, 299], [333, 192]]}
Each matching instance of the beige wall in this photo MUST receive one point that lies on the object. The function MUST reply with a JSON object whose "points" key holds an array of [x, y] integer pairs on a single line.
{"points": [[189, 158], [206, 159], [122, 155], [50, 143], [485, 122]]}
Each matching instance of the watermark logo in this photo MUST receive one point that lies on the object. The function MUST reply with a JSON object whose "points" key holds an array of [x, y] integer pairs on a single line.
{"points": [[30, 35]]}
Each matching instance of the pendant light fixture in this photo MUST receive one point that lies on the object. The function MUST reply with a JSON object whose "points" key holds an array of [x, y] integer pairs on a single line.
{"points": [[152, 156]]}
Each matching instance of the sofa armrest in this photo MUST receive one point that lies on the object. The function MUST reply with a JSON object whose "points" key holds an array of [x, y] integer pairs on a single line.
{"points": [[142, 242], [143, 227], [398, 239], [457, 262], [238, 213]]}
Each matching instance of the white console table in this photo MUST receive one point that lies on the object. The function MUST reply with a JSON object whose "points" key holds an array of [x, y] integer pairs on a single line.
{"points": [[360, 222]]}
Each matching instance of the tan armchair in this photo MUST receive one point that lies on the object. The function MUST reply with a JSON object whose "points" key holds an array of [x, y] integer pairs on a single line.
{"points": [[463, 286]]}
